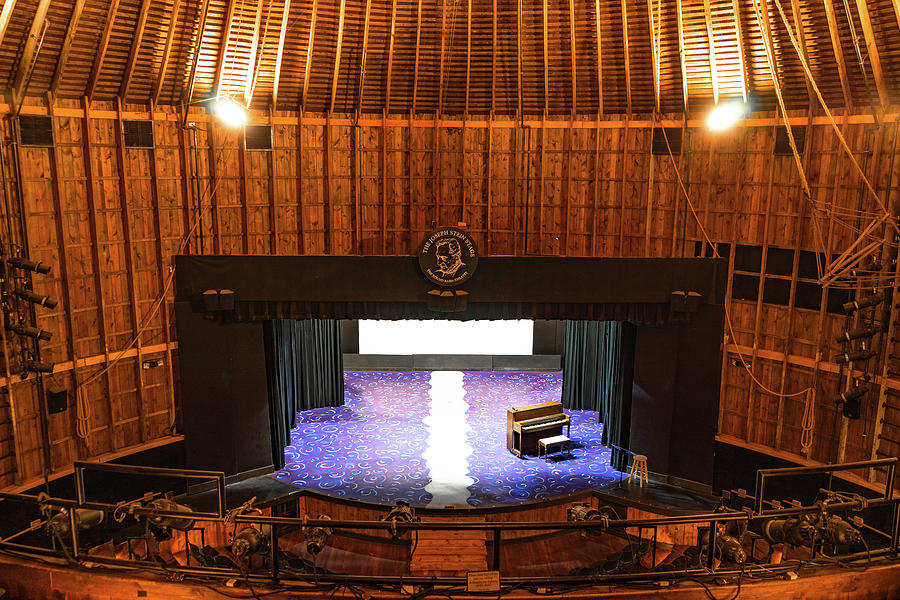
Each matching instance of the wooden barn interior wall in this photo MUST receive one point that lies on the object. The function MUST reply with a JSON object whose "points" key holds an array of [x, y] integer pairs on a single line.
{"points": [[110, 218]]}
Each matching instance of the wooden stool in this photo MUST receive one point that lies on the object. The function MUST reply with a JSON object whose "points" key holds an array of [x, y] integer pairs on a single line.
{"points": [[557, 442], [639, 466]]}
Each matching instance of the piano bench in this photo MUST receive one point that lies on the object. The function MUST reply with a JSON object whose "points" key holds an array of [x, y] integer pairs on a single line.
{"points": [[555, 443]]}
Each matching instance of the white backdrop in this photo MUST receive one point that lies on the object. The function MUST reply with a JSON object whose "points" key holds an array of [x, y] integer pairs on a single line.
{"points": [[446, 337]]}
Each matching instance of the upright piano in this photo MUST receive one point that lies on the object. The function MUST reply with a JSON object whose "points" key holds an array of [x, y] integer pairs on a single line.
{"points": [[526, 425]]}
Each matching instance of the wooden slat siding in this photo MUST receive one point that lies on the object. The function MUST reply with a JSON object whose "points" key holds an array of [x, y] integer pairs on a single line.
{"points": [[65, 283], [67, 44], [167, 53], [87, 151], [130, 271]]}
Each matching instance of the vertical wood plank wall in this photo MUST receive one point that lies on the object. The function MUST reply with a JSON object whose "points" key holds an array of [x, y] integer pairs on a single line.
{"points": [[335, 186]]}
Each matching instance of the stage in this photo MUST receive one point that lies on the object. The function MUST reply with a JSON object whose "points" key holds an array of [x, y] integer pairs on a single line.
{"points": [[438, 439]]}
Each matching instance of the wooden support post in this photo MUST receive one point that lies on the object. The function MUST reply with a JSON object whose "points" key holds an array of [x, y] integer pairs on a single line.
{"points": [[539, 247], [273, 181], [621, 249], [187, 190], [301, 221], [244, 196], [326, 191], [130, 269], [213, 199], [87, 153], [651, 164]]}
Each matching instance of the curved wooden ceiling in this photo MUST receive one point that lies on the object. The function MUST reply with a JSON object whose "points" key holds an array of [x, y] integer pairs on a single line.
{"points": [[452, 56]]}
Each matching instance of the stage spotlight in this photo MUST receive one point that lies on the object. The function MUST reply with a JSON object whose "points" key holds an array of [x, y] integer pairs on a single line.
{"points": [[32, 332], [30, 296], [856, 356], [864, 302], [726, 115], [250, 540], [401, 513], [229, 111], [317, 537], [37, 367], [85, 518], [797, 532], [28, 265], [730, 549], [839, 532], [865, 332], [166, 505]]}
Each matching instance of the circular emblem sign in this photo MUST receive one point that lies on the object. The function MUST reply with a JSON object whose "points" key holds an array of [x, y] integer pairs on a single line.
{"points": [[448, 256]]}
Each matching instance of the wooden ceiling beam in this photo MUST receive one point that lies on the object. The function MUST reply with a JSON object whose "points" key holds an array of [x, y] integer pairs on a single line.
{"points": [[66, 47], [801, 36], [834, 32], [5, 16], [468, 53], [519, 64], [198, 43], [279, 53], [874, 57], [742, 51], [681, 54], [599, 57], [167, 53], [337, 55], [255, 51], [101, 49], [627, 60], [223, 47], [440, 106], [362, 66], [29, 54], [713, 67], [416, 63], [546, 10], [135, 49], [309, 51], [390, 67], [572, 56], [654, 56]]}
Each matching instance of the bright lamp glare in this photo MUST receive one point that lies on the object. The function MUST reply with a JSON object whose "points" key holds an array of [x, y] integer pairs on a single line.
{"points": [[726, 115], [230, 112]]}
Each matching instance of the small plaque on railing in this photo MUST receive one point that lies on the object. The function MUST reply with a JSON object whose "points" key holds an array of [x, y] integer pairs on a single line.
{"points": [[483, 581]]}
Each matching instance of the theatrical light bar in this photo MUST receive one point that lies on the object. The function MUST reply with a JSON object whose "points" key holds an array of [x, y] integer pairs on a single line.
{"points": [[32, 332], [865, 332], [855, 356], [864, 302], [28, 265], [30, 296]]}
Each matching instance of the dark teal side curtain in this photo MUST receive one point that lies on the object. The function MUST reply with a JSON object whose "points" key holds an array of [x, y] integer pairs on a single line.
{"points": [[598, 371], [305, 369]]}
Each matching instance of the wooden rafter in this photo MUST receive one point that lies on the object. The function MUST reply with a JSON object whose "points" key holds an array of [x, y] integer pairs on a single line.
{"points": [[468, 57], [101, 49], [337, 55], [838, 52], [390, 68], [654, 58], [198, 42], [416, 65], [627, 59], [519, 90], [257, 47], [309, 50], [546, 57], [713, 68], [135, 49], [440, 106], [279, 53], [742, 52], [5, 15], [599, 57], [681, 54], [223, 47], [801, 36], [874, 56], [66, 47], [30, 52], [167, 53], [362, 65], [572, 56]]}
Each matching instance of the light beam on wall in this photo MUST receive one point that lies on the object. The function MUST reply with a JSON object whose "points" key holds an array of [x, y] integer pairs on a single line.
{"points": [[726, 115]]}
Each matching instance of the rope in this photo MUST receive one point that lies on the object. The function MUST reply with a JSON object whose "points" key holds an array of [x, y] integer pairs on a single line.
{"points": [[806, 425]]}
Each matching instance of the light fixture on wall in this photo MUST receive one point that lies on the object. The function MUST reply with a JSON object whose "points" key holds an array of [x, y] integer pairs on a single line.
{"points": [[726, 114], [228, 110]]}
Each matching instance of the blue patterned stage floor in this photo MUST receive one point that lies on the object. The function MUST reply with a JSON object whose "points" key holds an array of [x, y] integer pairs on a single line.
{"points": [[438, 439]]}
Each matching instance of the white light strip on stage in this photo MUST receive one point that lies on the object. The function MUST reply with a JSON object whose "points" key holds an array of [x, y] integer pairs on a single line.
{"points": [[448, 447], [446, 337]]}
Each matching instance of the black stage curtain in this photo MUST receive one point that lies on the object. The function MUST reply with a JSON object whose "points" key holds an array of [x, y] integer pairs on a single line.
{"points": [[305, 369], [598, 371]]}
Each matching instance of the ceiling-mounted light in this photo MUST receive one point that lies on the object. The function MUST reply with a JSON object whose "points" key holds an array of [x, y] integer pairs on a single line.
{"points": [[726, 115], [231, 112]]}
